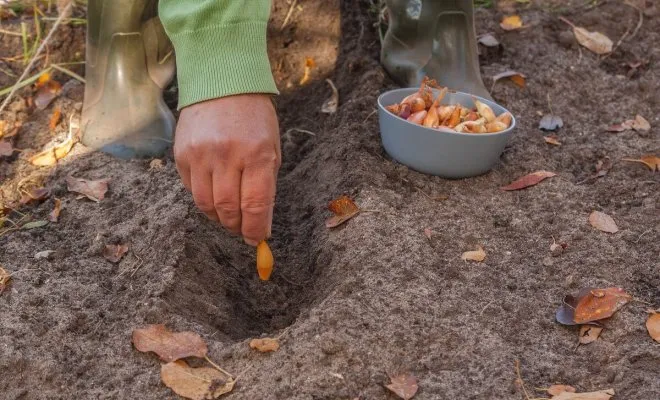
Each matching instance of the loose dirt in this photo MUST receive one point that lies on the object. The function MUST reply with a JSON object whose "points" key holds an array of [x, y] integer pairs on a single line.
{"points": [[374, 296]]}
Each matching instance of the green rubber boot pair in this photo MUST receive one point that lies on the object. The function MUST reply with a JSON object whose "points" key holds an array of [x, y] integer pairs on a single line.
{"points": [[129, 61], [434, 38]]}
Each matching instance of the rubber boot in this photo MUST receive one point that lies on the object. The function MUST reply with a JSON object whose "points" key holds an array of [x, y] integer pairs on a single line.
{"points": [[434, 38], [129, 63]]}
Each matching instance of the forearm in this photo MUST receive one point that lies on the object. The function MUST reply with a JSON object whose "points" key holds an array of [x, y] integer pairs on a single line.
{"points": [[220, 47]]}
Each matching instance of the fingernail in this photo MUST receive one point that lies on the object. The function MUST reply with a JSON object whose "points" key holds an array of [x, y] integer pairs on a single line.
{"points": [[250, 242]]}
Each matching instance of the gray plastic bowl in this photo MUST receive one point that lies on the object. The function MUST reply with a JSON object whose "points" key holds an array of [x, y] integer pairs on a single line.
{"points": [[446, 154]]}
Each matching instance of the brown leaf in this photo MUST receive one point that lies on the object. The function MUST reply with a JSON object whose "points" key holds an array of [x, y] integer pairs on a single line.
{"points": [[594, 41], [5, 131], [624, 126], [640, 124], [5, 277], [598, 395], [169, 346], [93, 190], [195, 383], [114, 252], [557, 389], [476, 255], [54, 119], [36, 194], [589, 333], [599, 304], [156, 164], [602, 222], [516, 77], [404, 386], [46, 94], [330, 105], [265, 344], [54, 215], [528, 180], [653, 326], [552, 139], [511, 23], [344, 209], [650, 161], [51, 155], [6, 149]]}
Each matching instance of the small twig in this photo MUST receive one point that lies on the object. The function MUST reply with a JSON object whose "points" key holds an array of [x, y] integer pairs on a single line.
{"points": [[643, 233], [520, 380], [550, 104], [369, 116], [5, 32], [36, 54], [288, 14], [641, 18], [219, 368]]}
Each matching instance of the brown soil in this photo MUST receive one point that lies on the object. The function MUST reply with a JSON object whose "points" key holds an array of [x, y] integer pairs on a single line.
{"points": [[374, 296]]}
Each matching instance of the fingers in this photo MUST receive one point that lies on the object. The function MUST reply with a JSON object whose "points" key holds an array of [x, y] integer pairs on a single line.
{"points": [[201, 185], [257, 200], [227, 197]]}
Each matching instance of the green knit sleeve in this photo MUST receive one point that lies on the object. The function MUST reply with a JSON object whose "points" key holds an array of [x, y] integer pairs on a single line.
{"points": [[220, 47]]}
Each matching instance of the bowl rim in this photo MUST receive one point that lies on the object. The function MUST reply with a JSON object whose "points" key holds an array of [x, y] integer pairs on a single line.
{"points": [[507, 130]]}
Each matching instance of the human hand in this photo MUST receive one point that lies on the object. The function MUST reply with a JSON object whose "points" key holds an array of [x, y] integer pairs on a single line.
{"points": [[227, 152]]}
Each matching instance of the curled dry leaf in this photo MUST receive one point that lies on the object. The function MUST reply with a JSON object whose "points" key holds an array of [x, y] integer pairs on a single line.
{"points": [[589, 333], [640, 124], [528, 180], [54, 215], [488, 40], [51, 155], [565, 314], [603, 222], [511, 23], [5, 277], [170, 346], [114, 252], [93, 190], [653, 325], [476, 255], [515, 77], [550, 122], [552, 139], [557, 389], [330, 105], [265, 345], [599, 304], [195, 383], [6, 149], [344, 209], [594, 41], [34, 194], [404, 386], [309, 64], [265, 261], [598, 395], [47, 93], [650, 161]]}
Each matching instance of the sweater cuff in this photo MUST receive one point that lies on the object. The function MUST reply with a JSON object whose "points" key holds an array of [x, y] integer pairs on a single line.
{"points": [[219, 61]]}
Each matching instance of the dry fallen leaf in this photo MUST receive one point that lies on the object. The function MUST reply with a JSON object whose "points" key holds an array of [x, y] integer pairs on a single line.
{"points": [[309, 64], [330, 105], [5, 277], [34, 194], [594, 41], [511, 23], [515, 77], [550, 122], [93, 190], [589, 333], [344, 209], [528, 180], [488, 40], [34, 224], [640, 124], [169, 346], [54, 119], [156, 164], [46, 94], [6, 149], [476, 255], [552, 139], [565, 314], [195, 383], [599, 304], [598, 395], [650, 161], [557, 389], [653, 325], [54, 215], [265, 344], [603, 222], [404, 386], [51, 155], [114, 252]]}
